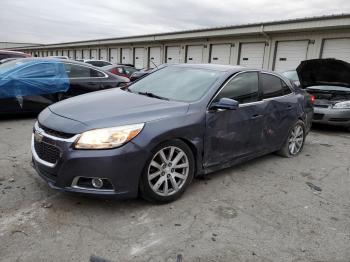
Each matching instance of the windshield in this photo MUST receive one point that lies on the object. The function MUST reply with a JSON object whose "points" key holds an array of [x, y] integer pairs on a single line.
{"points": [[177, 83], [291, 75], [10, 65]]}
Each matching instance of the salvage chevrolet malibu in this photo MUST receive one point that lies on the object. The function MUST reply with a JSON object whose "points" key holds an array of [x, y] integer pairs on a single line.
{"points": [[153, 137]]}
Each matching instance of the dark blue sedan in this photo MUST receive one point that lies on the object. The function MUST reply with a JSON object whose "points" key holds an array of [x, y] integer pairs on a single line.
{"points": [[153, 137]]}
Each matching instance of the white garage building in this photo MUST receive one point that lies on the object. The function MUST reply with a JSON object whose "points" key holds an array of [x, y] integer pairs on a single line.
{"points": [[278, 46]]}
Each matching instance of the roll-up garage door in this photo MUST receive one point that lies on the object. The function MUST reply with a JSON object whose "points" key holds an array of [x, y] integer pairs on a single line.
{"points": [[289, 54], [71, 54], [78, 54], [337, 48], [126, 56], [65, 53], [173, 55], [154, 56], [252, 54], [220, 54], [113, 55], [139, 57], [194, 54], [94, 54], [103, 54], [86, 54]]}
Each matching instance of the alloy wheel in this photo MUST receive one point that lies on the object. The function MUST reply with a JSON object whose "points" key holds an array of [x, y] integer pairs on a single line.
{"points": [[168, 171], [296, 140]]}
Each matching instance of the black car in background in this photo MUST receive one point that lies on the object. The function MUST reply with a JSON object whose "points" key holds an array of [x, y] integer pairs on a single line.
{"points": [[145, 72], [31, 84]]}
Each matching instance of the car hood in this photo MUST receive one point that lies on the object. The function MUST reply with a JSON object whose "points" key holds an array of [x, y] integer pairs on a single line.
{"points": [[108, 108], [324, 72]]}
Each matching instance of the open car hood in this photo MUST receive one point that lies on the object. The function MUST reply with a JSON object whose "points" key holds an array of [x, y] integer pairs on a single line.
{"points": [[324, 72]]}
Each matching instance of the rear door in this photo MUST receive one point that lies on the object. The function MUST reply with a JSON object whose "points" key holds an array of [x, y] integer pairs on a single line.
{"points": [[281, 109], [83, 79], [237, 133]]}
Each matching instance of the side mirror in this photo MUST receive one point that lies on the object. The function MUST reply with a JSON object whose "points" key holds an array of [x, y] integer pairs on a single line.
{"points": [[225, 104]]}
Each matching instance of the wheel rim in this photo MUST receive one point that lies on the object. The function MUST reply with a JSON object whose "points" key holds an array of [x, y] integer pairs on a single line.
{"points": [[296, 140], [168, 171]]}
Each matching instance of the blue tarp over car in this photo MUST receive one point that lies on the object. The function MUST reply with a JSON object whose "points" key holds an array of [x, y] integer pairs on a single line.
{"points": [[32, 76]]}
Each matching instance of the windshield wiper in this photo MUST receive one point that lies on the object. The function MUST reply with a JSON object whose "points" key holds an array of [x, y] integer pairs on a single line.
{"points": [[152, 95]]}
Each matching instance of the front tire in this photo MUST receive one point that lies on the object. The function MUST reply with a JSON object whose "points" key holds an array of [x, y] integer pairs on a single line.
{"points": [[168, 172], [295, 141]]}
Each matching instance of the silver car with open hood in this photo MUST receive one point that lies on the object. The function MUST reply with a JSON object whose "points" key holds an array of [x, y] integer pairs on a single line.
{"points": [[328, 80]]}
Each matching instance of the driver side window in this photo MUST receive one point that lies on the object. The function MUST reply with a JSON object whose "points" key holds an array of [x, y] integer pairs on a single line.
{"points": [[243, 88]]}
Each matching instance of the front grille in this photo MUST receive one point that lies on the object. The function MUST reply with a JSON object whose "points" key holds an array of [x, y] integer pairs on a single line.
{"points": [[321, 106], [47, 172], [47, 152], [318, 116], [55, 133]]}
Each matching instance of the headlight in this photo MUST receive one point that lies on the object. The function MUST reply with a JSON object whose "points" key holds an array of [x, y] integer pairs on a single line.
{"points": [[342, 105], [106, 138]]}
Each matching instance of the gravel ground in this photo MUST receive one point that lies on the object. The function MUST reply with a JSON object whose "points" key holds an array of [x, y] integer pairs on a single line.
{"points": [[269, 209]]}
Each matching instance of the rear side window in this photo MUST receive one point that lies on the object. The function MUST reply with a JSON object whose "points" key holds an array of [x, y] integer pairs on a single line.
{"points": [[243, 88], [273, 86], [76, 71], [44, 70]]}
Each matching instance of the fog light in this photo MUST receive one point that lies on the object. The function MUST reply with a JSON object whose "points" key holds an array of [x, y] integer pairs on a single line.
{"points": [[97, 182]]}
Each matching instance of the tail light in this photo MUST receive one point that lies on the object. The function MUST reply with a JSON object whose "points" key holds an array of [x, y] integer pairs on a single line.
{"points": [[312, 99]]}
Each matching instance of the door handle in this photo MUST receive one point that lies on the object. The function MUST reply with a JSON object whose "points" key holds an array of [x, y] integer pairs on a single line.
{"points": [[256, 116]]}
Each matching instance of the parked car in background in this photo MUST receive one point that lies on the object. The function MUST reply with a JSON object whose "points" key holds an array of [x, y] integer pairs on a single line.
{"points": [[154, 136], [31, 84], [97, 63], [121, 70], [292, 75], [9, 54], [328, 80], [144, 72]]}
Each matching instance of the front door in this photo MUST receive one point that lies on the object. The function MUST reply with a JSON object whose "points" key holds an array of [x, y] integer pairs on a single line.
{"points": [[281, 110], [235, 133]]}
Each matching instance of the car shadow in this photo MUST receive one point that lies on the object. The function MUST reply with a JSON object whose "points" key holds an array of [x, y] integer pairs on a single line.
{"points": [[327, 129], [15, 117]]}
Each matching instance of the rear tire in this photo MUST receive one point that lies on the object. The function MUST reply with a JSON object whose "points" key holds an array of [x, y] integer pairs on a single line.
{"points": [[295, 141], [168, 172]]}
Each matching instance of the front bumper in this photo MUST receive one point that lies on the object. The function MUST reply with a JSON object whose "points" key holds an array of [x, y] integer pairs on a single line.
{"points": [[121, 166], [330, 116]]}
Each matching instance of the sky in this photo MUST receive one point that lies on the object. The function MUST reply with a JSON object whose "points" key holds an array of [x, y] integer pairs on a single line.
{"points": [[57, 21]]}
